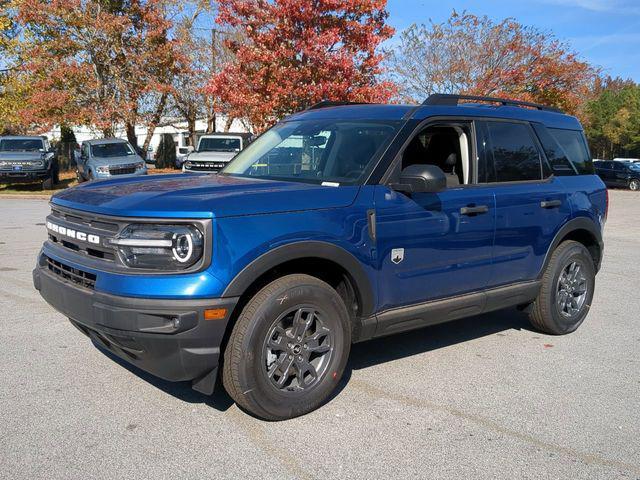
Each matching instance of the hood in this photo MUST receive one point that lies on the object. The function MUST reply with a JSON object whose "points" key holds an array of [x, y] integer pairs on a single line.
{"points": [[211, 156], [21, 156], [200, 196]]}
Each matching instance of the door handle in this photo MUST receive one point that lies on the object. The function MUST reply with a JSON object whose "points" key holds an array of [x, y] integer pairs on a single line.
{"points": [[474, 210], [550, 203]]}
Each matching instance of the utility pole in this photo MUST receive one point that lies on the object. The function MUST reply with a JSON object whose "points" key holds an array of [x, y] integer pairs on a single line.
{"points": [[211, 127]]}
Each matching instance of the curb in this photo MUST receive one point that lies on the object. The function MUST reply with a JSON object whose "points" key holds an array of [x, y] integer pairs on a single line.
{"points": [[26, 196]]}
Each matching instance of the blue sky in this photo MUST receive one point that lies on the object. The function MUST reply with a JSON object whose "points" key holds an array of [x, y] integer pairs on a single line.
{"points": [[604, 32]]}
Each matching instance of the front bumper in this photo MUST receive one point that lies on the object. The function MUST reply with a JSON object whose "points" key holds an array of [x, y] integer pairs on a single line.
{"points": [[167, 338], [203, 167], [23, 176]]}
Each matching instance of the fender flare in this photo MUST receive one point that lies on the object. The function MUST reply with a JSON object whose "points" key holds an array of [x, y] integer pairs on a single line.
{"points": [[304, 249], [579, 223]]}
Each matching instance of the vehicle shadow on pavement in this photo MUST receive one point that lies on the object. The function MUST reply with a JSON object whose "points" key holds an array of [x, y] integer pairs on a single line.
{"points": [[363, 355], [427, 339], [181, 390]]}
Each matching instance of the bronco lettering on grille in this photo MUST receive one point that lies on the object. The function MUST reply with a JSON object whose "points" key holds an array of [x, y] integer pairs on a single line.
{"points": [[68, 232]]}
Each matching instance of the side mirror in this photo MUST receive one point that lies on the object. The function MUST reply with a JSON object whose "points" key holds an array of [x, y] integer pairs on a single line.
{"points": [[421, 179]]}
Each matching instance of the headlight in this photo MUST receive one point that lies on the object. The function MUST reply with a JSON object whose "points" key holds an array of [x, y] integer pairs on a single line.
{"points": [[103, 169], [140, 165], [160, 247]]}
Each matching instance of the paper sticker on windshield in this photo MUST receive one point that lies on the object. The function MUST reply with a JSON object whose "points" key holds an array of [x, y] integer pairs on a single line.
{"points": [[330, 184], [397, 255]]}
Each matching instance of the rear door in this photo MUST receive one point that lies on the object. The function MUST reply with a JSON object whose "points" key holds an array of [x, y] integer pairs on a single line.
{"points": [[620, 174], [531, 202]]}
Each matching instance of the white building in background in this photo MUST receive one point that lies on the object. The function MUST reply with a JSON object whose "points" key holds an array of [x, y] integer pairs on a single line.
{"points": [[177, 129]]}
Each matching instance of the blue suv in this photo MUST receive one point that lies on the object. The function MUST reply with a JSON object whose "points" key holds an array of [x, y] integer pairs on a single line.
{"points": [[342, 223]]}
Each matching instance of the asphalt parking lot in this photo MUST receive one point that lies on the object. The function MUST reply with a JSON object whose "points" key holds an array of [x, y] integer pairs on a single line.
{"points": [[485, 397]]}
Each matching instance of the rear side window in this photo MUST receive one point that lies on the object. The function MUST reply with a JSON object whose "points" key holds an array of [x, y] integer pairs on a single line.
{"points": [[515, 155], [575, 149], [558, 161]]}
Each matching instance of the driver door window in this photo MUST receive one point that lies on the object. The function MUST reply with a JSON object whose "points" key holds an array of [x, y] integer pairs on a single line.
{"points": [[445, 146]]}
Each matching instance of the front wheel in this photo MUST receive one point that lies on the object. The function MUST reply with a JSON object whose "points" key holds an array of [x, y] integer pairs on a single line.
{"points": [[567, 289], [288, 349], [47, 184], [55, 172], [634, 185]]}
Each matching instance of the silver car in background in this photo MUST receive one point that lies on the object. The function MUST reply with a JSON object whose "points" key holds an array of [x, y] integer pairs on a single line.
{"points": [[108, 158]]}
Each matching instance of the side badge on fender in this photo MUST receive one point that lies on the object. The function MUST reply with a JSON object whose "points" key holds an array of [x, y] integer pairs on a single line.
{"points": [[397, 255]]}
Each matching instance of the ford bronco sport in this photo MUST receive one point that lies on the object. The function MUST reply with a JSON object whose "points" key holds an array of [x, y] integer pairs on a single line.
{"points": [[340, 224], [25, 159], [214, 151]]}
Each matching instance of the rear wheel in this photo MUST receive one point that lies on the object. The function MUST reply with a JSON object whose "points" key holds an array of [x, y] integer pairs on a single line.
{"points": [[288, 349], [567, 290], [634, 185]]}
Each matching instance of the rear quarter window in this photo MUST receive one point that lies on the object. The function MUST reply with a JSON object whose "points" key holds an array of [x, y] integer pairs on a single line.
{"points": [[575, 148]]}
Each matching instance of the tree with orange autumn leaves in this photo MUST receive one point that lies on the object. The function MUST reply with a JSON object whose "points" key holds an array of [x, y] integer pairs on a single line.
{"points": [[478, 56], [104, 63], [297, 52]]}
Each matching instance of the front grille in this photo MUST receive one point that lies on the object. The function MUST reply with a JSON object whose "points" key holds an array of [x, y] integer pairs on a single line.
{"points": [[89, 224], [206, 166], [17, 166], [122, 169], [73, 275]]}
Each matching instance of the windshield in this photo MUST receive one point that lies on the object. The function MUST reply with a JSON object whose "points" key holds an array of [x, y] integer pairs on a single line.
{"points": [[21, 145], [107, 150], [332, 151], [219, 144]]}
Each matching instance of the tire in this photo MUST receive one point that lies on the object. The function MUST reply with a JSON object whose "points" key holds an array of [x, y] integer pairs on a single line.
{"points": [[561, 307], [47, 184], [55, 169], [253, 369], [634, 185], [79, 177]]}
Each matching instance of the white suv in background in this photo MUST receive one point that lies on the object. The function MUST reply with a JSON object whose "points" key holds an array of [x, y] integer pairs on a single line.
{"points": [[214, 151]]}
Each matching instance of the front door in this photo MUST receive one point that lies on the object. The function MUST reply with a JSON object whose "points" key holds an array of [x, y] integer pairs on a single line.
{"points": [[620, 174], [432, 245]]}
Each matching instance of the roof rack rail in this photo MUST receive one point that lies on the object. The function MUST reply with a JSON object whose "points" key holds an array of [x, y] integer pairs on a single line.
{"points": [[329, 103], [453, 100]]}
